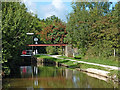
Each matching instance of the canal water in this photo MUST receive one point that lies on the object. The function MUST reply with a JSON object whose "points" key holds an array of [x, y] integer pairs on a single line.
{"points": [[53, 77]]}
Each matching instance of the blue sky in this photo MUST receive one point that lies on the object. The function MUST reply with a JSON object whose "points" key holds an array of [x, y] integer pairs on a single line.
{"points": [[47, 8]]}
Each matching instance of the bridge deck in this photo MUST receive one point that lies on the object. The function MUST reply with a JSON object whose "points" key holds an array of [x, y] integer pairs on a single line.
{"points": [[47, 44]]}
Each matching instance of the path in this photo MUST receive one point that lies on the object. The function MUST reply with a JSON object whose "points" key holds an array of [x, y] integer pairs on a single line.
{"points": [[105, 66]]}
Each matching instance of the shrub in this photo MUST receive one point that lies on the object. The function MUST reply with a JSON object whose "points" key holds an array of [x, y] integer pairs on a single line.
{"points": [[51, 50], [59, 50]]}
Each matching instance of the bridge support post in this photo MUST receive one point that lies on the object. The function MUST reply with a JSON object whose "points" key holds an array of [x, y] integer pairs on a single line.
{"points": [[68, 51]]}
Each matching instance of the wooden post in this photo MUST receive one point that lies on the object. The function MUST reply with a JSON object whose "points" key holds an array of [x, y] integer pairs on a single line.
{"points": [[114, 52], [62, 50], [99, 54], [66, 51]]}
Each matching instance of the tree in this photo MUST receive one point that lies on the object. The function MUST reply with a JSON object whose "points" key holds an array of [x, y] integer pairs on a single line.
{"points": [[54, 32], [16, 22], [92, 28]]}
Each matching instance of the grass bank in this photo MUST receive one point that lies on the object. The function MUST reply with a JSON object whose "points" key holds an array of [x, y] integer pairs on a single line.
{"points": [[98, 61], [72, 64]]}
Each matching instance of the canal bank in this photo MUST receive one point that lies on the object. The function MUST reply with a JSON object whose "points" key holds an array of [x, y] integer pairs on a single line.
{"points": [[103, 72]]}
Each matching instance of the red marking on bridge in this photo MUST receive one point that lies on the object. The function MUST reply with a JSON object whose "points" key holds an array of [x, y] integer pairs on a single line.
{"points": [[47, 44]]}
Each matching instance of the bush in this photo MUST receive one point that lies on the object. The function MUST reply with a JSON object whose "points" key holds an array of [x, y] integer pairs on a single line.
{"points": [[78, 56], [59, 50], [51, 50]]}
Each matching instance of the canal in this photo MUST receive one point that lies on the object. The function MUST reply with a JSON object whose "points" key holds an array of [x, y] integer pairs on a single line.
{"points": [[45, 76]]}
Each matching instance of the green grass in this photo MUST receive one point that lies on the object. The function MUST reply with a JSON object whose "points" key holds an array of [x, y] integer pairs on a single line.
{"points": [[66, 62], [98, 61], [71, 63], [85, 66], [42, 56], [113, 72]]}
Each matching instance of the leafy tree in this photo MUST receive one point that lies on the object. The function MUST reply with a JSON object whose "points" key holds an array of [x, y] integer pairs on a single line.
{"points": [[93, 28], [16, 22], [54, 32]]}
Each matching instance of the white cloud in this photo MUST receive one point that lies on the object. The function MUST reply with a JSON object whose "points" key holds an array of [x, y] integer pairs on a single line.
{"points": [[58, 4], [48, 15], [31, 6], [55, 7]]}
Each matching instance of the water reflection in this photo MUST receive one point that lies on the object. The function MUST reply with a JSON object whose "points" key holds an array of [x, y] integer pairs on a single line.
{"points": [[26, 71], [55, 77]]}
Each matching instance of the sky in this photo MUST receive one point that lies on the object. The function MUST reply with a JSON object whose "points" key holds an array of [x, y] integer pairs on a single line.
{"points": [[58, 8], [47, 8]]}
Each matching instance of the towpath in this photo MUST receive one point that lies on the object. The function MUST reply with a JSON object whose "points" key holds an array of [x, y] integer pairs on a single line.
{"points": [[105, 66]]}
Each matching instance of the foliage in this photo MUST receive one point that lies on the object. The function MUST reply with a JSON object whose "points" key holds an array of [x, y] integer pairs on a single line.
{"points": [[93, 28], [51, 50], [54, 31], [16, 22], [60, 51]]}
